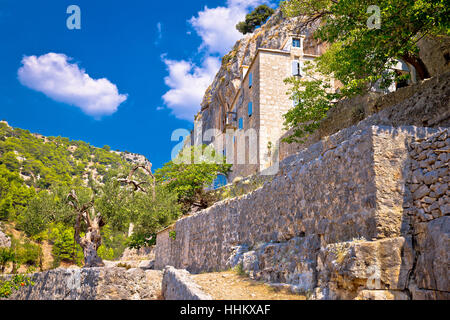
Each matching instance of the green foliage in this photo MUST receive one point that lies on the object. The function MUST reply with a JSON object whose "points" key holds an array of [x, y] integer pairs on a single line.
{"points": [[255, 19], [173, 235], [14, 195], [360, 53], [20, 253], [114, 243], [139, 240], [65, 247], [153, 215], [7, 287], [194, 169], [7, 255], [313, 100], [36, 176], [54, 161], [28, 253]]}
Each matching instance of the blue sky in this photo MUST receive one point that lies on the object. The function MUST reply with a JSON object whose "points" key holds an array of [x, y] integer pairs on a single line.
{"points": [[134, 73]]}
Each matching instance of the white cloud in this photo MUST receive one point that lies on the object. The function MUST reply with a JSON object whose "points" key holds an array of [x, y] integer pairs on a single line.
{"points": [[188, 83], [217, 29], [217, 26], [53, 75]]}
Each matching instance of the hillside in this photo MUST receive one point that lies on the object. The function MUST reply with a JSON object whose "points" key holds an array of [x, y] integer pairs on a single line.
{"points": [[41, 161], [31, 164]]}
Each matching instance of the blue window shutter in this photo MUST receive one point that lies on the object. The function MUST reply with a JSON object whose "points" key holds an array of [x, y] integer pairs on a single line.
{"points": [[296, 43], [250, 109], [250, 80], [241, 123]]}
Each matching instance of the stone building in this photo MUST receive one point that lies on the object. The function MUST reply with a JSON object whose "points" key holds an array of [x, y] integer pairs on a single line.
{"points": [[249, 129], [248, 125]]}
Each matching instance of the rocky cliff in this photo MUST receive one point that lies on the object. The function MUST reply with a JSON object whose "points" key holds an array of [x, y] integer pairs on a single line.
{"points": [[272, 35]]}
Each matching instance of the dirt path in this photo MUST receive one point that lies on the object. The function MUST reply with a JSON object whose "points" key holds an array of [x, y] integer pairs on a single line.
{"points": [[231, 286]]}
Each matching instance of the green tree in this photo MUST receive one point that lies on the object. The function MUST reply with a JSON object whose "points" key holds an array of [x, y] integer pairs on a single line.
{"points": [[188, 175], [64, 246], [153, 214], [361, 52], [6, 256], [255, 19]]}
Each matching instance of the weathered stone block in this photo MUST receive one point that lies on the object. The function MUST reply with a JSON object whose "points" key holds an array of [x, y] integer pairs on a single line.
{"points": [[373, 265]]}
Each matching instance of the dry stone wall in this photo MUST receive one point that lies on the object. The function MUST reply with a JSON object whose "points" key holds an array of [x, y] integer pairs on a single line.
{"points": [[426, 104], [336, 221], [178, 285], [93, 284], [429, 182]]}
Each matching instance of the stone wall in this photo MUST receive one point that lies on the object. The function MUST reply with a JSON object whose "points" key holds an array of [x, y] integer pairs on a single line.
{"points": [[429, 183], [426, 104], [335, 218], [93, 284], [178, 285]]}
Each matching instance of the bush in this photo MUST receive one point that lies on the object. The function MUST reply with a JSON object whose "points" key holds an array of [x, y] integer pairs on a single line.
{"points": [[6, 256], [65, 247], [18, 281], [28, 253]]}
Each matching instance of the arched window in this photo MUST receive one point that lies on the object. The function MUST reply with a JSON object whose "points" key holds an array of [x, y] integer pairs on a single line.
{"points": [[220, 181]]}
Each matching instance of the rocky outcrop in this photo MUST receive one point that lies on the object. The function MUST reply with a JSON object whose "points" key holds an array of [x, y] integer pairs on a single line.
{"points": [[178, 285], [435, 53], [272, 35], [5, 241], [93, 284]]}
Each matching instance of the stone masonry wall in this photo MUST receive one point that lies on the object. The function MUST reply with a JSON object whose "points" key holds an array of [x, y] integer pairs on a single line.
{"points": [[429, 183], [426, 104], [93, 284], [334, 221]]}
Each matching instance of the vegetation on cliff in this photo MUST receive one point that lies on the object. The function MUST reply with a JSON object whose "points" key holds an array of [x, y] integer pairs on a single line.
{"points": [[365, 40], [255, 19]]}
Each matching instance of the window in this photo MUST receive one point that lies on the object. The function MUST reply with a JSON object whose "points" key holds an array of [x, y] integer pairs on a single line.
{"points": [[296, 43], [250, 80], [250, 109], [220, 181], [241, 123]]}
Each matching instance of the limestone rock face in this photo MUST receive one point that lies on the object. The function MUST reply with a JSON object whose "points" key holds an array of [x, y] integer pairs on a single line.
{"points": [[5, 242], [93, 284], [271, 35], [347, 269], [432, 269], [435, 54]]}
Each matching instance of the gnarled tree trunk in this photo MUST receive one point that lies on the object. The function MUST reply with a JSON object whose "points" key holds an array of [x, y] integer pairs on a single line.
{"points": [[92, 240]]}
